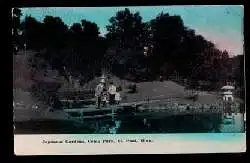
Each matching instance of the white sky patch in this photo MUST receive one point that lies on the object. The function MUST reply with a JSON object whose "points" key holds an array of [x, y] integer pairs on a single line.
{"points": [[231, 43], [222, 30]]}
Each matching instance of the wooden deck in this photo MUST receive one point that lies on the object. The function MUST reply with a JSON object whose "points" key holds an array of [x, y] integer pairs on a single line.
{"points": [[80, 100], [85, 110], [128, 109], [99, 116], [151, 106]]}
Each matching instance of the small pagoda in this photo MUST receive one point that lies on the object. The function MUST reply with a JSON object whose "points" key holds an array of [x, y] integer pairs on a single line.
{"points": [[227, 92], [227, 97]]}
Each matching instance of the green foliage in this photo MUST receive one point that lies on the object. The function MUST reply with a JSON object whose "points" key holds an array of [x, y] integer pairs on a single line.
{"points": [[132, 88], [172, 48], [16, 28]]}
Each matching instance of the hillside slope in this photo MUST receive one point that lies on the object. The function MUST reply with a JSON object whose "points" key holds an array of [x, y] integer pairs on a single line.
{"points": [[22, 76], [166, 90], [25, 78]]}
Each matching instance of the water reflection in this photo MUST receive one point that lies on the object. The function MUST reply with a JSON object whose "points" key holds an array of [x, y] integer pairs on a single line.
{"points": [[172, 124], [202, 123], [233, 123]]}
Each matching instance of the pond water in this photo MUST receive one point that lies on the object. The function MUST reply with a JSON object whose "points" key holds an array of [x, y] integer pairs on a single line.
{"points": [[237, 124], [202, 123]]}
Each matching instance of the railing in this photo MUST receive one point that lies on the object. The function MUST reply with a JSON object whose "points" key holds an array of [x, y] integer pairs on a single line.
{"points": [[87, 94]]}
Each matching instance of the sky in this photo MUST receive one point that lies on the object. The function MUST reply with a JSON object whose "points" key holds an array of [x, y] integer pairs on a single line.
{"points": [[223, 25]]}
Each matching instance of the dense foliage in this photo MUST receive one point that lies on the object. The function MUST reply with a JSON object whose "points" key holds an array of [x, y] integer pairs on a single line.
{"points": [[131, 49]]}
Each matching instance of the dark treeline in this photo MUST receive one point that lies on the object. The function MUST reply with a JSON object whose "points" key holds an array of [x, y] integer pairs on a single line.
{"points": [[131, 49]]}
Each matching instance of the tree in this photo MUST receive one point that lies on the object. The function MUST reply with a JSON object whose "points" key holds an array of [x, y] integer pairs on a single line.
{"points": [[16, 28], [127, 36], [238, 69], [91, 30], [126, 30], [32, 33], [162, 46], [54, 32], [75, 44], [167, 34], [87, 48]]}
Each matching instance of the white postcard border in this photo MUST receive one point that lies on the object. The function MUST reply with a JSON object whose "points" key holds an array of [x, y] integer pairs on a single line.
{"points": [[160, 144]]}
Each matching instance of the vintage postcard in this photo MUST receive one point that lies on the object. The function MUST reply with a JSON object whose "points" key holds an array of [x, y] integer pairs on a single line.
{"points": [[128, 80]]}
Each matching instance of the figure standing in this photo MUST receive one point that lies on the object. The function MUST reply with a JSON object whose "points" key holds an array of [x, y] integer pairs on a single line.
{"points": [[104, 98], [98, 92], [117, 97], [112, 92]]}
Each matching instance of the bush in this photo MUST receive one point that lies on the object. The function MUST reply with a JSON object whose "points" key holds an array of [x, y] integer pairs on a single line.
{"points": [[161, 79], [119, 88], [132, 88]]}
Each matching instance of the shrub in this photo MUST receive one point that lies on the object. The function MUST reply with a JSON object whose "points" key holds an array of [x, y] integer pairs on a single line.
{"points": [[119, 88], [132, 88]]}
